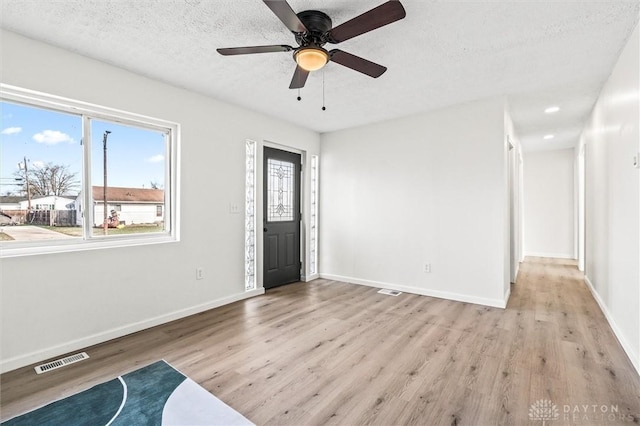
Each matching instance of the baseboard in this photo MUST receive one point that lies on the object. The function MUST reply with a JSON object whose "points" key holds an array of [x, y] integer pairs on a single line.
{"points": [[633, 357], [311, 278], [496, 303], [507, 294], [551, 255], [42, 355]]}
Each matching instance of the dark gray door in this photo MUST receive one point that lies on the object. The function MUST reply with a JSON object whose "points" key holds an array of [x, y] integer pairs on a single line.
{"points": [[281, 217]]}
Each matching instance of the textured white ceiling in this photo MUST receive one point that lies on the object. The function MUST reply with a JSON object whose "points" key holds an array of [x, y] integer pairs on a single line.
{"points": [[443, 53]]}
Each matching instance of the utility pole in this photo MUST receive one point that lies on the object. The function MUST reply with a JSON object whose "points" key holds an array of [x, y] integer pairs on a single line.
{"points": [[104, 188], [26, 178]]}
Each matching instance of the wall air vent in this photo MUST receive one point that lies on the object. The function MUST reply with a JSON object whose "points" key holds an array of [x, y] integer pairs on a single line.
{"points": [[63, 362], [389, 292]]}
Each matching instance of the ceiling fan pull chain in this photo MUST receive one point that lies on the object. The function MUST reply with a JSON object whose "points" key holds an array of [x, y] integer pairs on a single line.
{"points": [[299, 97], [323, 107]]}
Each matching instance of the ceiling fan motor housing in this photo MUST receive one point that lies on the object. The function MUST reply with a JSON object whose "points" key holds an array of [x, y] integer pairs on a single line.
{"points": [[318, 23]]}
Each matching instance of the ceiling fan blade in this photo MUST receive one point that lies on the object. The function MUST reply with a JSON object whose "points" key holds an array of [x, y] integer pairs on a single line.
{"points": [[299, 78], [357, 63], [254, 49], [288, 17], [377, 17]]}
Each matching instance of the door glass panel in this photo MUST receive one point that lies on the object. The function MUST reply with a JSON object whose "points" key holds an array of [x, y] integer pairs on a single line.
{"points": [[280, 190]]}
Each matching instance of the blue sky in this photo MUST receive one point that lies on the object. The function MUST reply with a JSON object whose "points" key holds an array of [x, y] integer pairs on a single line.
{"points": [[135, 157]]}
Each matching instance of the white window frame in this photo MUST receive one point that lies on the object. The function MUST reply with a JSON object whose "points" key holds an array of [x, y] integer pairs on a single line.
{"points": [[86, 112]]}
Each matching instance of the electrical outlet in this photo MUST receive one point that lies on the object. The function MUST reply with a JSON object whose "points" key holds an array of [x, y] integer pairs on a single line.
{"points": [[234, 208], [427, 268], [199, 273]]}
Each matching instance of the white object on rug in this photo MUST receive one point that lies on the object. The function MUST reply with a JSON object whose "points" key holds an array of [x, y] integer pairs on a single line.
{"points": [[191, 404]]}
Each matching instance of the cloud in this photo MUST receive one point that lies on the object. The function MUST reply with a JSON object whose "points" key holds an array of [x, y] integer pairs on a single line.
{"points": [[11, 130], [156, 158], [38, 164], [52, 137]]}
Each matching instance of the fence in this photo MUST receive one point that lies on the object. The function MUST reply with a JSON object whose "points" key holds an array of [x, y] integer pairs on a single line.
{"points": [[51, 217]]}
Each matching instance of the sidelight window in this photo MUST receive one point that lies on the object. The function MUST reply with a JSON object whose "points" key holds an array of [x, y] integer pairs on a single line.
{"points": [[250, 216]]}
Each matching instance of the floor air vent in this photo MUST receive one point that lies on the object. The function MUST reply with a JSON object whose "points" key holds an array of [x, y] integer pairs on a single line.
{"points": [[61, 362], [390, 292]]}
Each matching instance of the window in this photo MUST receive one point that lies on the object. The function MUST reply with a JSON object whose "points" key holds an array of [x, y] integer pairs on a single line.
{"points": [[250, 216], [104, 177], [313, 220], [281, 190]]}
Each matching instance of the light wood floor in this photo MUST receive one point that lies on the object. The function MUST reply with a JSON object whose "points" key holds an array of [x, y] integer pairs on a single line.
{"points": [[333, 353]]}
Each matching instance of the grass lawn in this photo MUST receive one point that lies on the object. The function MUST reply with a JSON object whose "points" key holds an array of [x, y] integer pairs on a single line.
{"points": [[76, 231], [5, 237], [129, 229]]}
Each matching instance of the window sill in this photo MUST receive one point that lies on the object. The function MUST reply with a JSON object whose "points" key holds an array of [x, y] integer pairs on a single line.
{"points": [[64, 246]]}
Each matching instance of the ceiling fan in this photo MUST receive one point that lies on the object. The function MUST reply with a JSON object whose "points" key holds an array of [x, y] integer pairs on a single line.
{"points": [[313, 29]]}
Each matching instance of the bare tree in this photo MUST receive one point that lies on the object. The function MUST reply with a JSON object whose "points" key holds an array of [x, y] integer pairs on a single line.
{"points": [[51, 179]]}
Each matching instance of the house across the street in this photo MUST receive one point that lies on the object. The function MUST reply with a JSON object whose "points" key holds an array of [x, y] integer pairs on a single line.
{"points": [[132, 205], [11, 202], [49, 202], [16, 207]]}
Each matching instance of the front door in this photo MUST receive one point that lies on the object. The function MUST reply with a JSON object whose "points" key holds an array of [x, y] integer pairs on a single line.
{"points": [[281, 217]]}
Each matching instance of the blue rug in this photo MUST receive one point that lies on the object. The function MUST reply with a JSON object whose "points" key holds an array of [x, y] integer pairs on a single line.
{"points": [[154, 395]]}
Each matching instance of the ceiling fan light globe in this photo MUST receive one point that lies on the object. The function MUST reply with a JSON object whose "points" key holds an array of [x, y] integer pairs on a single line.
{"points": [[311, 58]]}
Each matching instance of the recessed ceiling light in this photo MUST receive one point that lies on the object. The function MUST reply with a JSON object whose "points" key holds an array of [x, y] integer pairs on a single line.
{"points": [[552, 109], [549, 136]]}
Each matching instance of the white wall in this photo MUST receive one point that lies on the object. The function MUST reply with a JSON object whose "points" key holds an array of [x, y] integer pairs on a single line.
{"points": [[79, 303], [549, 203], [429, 188], [611, 139]]}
